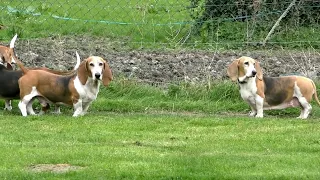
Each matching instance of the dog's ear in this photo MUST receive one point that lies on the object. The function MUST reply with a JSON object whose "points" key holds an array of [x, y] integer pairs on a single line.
{"points": [[107, 74], [233, 70], [83, 72], [259, 71]]}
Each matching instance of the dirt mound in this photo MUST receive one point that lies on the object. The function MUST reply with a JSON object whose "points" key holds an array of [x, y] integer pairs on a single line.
{"points": [[159, 65]]}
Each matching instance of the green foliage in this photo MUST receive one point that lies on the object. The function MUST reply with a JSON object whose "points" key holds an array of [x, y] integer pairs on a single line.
{"points": [[242, 22]]}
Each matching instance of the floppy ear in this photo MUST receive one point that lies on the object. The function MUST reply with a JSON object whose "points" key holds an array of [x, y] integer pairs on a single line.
{"points": [[259, 71], [233, 70], [107, 74], [83, 72]]}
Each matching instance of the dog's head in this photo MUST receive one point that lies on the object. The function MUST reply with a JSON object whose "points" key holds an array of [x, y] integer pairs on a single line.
{"points": [[8, 55], [96, 68], [243, 68]]}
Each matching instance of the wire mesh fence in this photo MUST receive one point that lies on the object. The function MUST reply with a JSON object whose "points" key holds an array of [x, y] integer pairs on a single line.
{"points": [[162, 23], [196, 23]]}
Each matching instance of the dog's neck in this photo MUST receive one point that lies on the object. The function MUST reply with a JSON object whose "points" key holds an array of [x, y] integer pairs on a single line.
{"points": [[246, 80], [242, 82], [93, 83]]}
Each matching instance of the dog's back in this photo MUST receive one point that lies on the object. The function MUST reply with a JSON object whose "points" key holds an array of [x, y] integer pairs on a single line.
{"points": [[281, 89], [53, 87]]}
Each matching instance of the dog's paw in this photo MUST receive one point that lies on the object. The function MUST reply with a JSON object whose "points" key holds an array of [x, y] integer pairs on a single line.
{"points": [[8, 108], [252, 113]]}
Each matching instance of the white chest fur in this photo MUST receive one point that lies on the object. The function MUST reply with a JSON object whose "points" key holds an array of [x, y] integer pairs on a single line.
{"points": [[87, 92], [248, 91]]}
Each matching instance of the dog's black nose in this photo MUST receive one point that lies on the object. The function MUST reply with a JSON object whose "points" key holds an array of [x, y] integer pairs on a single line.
{"points": [[254, 73], [97, 75]]}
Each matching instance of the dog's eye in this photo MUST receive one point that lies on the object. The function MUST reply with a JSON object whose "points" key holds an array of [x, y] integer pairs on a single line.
{"points": [[91, 64], [100, 64], [246, 63]]}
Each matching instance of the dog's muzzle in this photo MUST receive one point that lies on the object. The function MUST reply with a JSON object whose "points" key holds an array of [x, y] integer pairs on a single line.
{"points": [[97, 75], [253, 74]]}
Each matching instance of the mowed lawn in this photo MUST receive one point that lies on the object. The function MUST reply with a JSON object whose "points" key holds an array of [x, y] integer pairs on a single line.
{"points": [[161, 145], [135, 131]]}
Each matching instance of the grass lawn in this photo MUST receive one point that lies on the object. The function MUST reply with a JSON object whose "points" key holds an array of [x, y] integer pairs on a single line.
{"points": [[160, 146], [135, 133]]}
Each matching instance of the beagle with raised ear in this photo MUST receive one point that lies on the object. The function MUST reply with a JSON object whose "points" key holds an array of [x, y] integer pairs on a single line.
{"points": [[7, 54], [264, 93], [78, 89]]}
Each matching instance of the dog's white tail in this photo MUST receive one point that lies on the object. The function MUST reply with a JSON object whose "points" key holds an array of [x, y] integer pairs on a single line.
{"points": [[13, 40], [78, 62]]}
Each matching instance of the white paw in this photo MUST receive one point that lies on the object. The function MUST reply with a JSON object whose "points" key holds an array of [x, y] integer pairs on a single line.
{"points": [[252, 113], [301, 117], [259, 116], [8, 108]]}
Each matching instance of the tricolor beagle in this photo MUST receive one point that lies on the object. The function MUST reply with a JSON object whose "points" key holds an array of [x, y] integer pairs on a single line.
{"points": [[264, 93], [7, 54], [78, 89], [9, 88]]}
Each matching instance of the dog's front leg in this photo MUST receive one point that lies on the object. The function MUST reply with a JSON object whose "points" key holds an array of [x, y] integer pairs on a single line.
{"points": [[8, 105], [259, 106], [85, 107], [57, 109], [253, 111], [23, 108], [77, 108]]}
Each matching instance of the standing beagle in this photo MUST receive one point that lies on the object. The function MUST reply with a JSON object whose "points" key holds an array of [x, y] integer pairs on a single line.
{"points": [[9, 88], [264, 93], [7, 54], [78, 89]]}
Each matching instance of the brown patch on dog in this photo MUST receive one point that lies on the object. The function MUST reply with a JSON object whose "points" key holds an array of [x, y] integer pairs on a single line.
{"points": [[260, 88], [259, 71], [306, 87], [232, 70]]}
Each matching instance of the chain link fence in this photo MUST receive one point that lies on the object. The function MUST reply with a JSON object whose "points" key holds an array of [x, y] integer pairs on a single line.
{"points": [[50, 31], [195, 23]]}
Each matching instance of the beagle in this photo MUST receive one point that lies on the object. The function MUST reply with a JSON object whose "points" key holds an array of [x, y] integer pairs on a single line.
{"points": [[78, 89], [7, 54], [9, 88], [264, 93]]}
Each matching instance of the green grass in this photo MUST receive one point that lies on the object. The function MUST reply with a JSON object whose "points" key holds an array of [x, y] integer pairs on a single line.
{"points": [[143, 24], [132, 131], [160, 146]]}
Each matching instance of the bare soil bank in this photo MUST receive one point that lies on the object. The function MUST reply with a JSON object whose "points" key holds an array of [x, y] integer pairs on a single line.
{"points": [[160, 65]]}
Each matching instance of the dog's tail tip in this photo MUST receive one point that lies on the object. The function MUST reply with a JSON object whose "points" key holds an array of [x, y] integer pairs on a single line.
{"points": [[78, 61], [13, 41]]}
